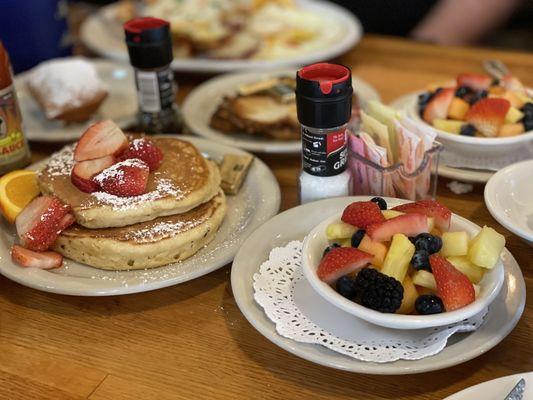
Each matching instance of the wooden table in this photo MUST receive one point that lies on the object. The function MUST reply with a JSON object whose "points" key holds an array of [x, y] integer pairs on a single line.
{"points": [[191, 342]]}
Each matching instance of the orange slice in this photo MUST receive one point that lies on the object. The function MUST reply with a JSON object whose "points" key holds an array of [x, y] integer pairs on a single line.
{"points": [[17, 189]]}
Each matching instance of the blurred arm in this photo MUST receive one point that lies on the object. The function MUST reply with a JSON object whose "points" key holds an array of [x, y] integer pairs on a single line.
{"points": [[456, 22]]}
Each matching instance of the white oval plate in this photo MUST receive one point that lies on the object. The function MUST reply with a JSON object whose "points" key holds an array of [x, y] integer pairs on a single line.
{"points": [[120, 105], [295, 224], [203, 101], [257, 201], [103, 34], [509, 198], [316, 241], [496, 389]]}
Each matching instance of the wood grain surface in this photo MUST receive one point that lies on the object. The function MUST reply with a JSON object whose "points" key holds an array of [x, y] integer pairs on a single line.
{"points": [[191, 342]]}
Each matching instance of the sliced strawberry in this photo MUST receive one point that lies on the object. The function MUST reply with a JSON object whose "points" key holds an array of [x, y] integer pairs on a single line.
{"points": [[437, 108], [408, 224], [430, 208], [33, 259], [83, 172], [476, 82], [362, 213], [126, 178], [101, 139], [513, 83], [40, 222], [65, 222], [341, 261], [453, 287], [488, 115], [146, 150]]}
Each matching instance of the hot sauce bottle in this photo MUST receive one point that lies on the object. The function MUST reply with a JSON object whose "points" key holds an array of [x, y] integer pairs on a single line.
{"points": [[150, 50], [324, 106], [14, 151]]}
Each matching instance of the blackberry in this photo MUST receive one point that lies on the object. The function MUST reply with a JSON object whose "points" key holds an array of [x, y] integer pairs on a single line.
{"points": [[420, 260], [345, 286], [527, 109], [462, 91], [468, 130], [429, 304], [377, 291], [426, 241], [329, 248], [357, 237], [380, 202], [528, 122]]}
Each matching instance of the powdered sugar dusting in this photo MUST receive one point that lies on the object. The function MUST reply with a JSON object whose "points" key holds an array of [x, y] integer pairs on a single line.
{"points": [[163, 228], [66, 82], [61, 162], [116, 171]]}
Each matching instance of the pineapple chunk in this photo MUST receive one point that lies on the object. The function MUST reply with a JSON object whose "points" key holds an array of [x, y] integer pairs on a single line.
{"points": [[378, 249], [463, 264], [398, 257], [425, 279], [513, 115], [388, 214], [431, 224], [346, 243], [340, 230], [454, 244], [448, 125], [409, 297], [485, 248], [477, 289]]}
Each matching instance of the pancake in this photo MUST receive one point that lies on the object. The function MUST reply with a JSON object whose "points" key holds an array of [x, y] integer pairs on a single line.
{"points": [[161, 241], [184, 180]]}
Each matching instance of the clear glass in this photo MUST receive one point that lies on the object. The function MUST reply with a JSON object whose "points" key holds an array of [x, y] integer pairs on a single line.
{"points": [[369, 178]]}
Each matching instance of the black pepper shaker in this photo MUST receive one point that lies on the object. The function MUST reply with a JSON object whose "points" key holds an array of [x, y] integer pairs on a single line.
{"points": [[150, 50]]}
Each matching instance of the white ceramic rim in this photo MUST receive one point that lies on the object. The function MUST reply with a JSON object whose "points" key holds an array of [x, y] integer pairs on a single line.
{"points": [[72, 285], [472, 392], [493, 186], [352, 35], [226, 85], [258, 245], [398, 321]]}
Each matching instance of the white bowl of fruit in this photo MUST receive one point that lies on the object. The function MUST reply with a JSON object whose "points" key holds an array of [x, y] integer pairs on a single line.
{"points": [[404, 265], [476, 114]]}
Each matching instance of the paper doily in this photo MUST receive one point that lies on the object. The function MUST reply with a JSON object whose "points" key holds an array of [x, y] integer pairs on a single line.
{"points": [[302, 315]]}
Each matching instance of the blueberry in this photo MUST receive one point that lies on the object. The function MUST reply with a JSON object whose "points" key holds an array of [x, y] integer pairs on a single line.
{"points": [[380, 202], [345, 286], [425, 241], [439, 89], [424, 98], [528, 122], [527, 109], [420, 260], [468, 130], [329, 248], [429, 304], [484, 93], [462, 91], [357, 237]]}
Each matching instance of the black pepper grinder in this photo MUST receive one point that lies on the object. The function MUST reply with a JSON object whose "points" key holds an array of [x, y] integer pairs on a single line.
{"points": [[150, 50]]}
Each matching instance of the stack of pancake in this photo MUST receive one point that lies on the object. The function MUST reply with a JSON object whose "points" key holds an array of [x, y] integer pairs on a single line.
{"points": [[180, 213]]}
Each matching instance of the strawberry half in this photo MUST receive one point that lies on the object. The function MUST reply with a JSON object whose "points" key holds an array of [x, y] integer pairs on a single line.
{"points": [[40, 222], [408, 224], [146, 150], [124, 179], [476, 82], [33, 259], [83, 172], [453, 287], [488, 115], [430, 208], [362, 213], [101, 139], [341, 261], [65, 222], [437, 108]]}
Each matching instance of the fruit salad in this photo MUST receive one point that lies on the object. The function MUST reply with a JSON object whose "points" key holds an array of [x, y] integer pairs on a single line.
{"points": [[478, 105], [406, 259]]}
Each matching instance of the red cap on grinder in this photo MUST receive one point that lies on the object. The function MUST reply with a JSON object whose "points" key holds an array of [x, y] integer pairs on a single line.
{"points": [[149, 42]]}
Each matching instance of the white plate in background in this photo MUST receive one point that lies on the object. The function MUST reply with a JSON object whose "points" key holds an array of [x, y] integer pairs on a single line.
{"points": [[496, 389], [120, 104]]}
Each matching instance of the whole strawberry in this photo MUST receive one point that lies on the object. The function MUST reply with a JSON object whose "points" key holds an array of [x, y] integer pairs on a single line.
{"points": [[146, 150]]}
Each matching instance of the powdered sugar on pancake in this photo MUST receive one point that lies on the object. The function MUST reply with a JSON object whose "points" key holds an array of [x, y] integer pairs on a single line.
{"points": [[162, 229], [61, 162]]}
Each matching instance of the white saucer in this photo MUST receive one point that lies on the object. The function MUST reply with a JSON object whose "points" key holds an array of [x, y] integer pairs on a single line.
{"points": [[295, 224], [509, 198], [203, 101], [120, 105], [496, 389], [104, 35], [257, 201]]}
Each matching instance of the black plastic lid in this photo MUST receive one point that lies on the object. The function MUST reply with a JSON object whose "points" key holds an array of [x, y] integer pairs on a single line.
{"points": [[324, 95], [149, 42]]}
